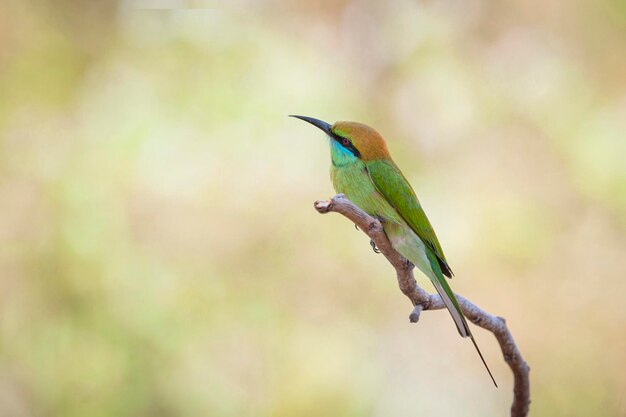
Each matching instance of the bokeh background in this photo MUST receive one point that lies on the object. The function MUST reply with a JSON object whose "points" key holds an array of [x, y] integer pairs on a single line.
{"points": [[160, 255]]}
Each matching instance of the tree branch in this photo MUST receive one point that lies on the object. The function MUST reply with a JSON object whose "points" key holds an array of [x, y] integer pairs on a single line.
{"points": [[422, 300]]}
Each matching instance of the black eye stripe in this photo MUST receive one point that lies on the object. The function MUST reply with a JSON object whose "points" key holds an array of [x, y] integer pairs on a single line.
{"points": [[346, 143]]}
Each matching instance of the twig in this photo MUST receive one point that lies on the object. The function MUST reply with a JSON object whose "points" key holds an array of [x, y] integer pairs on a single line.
{"points": [[422, 300]]}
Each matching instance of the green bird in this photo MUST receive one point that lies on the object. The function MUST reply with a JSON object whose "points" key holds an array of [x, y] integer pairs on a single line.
{"points": [[363, 170]]}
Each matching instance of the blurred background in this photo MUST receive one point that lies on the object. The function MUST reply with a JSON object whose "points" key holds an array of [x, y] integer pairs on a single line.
{"points": [[160, 255]]}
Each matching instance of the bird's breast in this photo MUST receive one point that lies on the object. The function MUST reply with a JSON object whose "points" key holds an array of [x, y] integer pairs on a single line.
{"points": [[354, 181]]}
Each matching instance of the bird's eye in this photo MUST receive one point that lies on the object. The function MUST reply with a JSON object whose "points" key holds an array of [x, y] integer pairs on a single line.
{"points": [[345, 141]]}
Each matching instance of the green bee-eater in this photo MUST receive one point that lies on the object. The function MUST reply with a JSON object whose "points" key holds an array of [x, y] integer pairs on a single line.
{"points": [[363, 170]]}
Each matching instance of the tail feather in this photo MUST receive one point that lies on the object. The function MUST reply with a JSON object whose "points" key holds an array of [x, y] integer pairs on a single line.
{"points": [[446, 294], [483, 359], [453, 308]]}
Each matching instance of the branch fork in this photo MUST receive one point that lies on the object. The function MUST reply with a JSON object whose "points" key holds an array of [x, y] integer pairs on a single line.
{"points": [[423, 301]]}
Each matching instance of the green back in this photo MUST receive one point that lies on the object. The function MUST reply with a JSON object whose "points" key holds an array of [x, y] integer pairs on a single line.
{"points": [[392, 184]]}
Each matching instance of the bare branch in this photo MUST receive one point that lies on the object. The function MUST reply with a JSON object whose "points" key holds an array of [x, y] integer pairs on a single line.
{"points": [[422, 300]]}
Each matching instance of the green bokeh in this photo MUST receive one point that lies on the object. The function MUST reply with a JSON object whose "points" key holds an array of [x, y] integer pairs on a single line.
{"points": [[159, 254]]}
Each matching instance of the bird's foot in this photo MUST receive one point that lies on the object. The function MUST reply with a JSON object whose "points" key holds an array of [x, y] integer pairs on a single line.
{"points": [[374, 247]]}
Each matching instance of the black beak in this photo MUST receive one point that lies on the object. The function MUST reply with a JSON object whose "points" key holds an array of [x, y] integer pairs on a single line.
{"points": [[316, 122]]}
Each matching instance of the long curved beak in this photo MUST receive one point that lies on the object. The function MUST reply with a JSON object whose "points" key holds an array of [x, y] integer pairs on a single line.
{"points": [[315, 122]]}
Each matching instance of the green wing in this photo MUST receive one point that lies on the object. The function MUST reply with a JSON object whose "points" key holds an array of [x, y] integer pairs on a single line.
{"points": [[392, 184]]}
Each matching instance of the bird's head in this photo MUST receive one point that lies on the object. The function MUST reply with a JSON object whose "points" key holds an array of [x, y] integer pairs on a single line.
{"points": [[352, 138]]}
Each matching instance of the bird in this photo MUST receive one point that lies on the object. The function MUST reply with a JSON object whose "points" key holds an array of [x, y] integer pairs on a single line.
{"points": [[362, 169]]}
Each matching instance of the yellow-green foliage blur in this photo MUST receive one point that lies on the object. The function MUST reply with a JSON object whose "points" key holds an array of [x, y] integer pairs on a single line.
{"points": [[160, 255]]}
